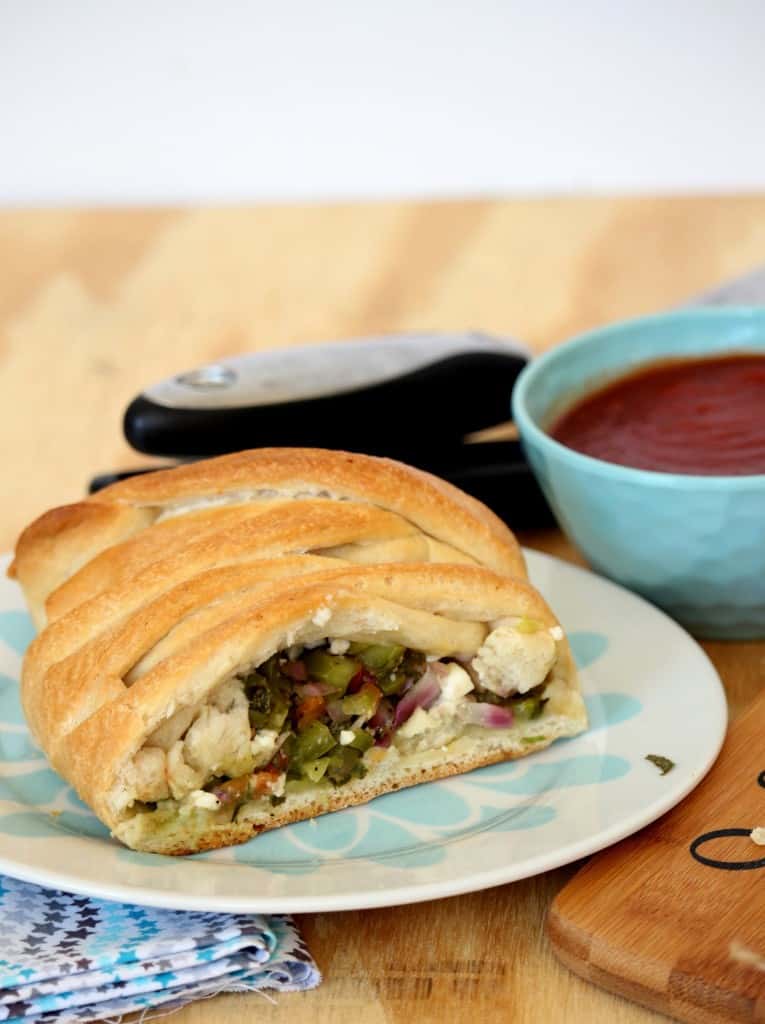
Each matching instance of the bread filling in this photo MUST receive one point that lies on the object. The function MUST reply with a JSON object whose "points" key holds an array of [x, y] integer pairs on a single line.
{"points": [[320, 717]]}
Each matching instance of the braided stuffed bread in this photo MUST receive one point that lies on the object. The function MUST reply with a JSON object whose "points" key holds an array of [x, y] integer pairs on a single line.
{"points": [[266, 637]]}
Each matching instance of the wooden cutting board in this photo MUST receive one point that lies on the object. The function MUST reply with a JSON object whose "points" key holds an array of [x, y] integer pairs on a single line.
{"points": [[674, 917]]}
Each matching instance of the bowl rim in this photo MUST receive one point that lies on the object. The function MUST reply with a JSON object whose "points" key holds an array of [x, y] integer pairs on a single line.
{"points": [[629, 474]]}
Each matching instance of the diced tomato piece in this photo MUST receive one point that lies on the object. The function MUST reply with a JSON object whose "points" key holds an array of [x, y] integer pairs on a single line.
{"points": [[362, 676], [264, 781], [309, 710]]}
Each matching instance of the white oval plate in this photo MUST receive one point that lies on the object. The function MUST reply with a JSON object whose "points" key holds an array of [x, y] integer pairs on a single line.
{"points": [[644, 680]]}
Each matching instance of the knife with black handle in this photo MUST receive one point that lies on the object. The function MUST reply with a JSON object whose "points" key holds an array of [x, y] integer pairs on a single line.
{"points": [[414, 397]]}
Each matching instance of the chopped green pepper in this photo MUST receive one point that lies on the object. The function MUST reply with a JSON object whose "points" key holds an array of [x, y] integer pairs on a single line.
{"points": [[312, 743], [392, 683], [333, 669], [362, 740], [268, 692], [257, 690], [343, 763], [527, 708], [297, 785], [314, 770], [379, 658], [362, 703]]}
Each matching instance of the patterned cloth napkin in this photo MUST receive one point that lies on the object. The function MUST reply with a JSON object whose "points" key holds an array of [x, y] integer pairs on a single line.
{"points": [[66, 958]]}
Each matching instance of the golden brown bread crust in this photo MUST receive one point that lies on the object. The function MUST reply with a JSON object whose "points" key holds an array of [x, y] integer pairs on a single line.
{"points": [[91, 723], [61, 542], [351, 476], [190, 543]]}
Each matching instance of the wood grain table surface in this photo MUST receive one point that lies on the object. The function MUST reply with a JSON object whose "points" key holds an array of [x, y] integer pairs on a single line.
{"points": [[96, 304]]}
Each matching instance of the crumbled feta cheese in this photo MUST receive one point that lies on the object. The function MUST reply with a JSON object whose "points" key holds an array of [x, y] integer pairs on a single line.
{"points": [[321, 616], [263, 745], [207, 801], [758, 836], [454, 683], [277, 789], [338, 646], [346, 737], [418, 722], [556, 632]]}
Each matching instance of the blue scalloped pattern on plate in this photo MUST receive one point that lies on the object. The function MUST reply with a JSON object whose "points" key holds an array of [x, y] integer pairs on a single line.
{"points": [[409, 829]]}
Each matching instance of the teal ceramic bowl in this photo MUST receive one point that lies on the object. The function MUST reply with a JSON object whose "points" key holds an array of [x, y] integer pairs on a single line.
{"points": [[694, 545]]}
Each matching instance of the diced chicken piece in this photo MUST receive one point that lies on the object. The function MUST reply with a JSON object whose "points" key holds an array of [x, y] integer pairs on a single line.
{"points": [[171, 731], [149, 775], [218, 742], [181, 777], [229, 695], [511, 662]]}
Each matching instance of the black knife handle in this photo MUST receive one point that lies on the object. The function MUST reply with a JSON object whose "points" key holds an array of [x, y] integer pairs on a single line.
{"points": [[406, 418]]}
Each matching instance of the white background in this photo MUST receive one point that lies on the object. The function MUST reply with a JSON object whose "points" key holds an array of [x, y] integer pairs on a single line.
{"points": [[173, 100]]}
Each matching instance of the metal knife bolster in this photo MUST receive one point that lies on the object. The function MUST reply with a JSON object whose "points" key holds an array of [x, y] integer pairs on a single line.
{"points": [[307, 372]]}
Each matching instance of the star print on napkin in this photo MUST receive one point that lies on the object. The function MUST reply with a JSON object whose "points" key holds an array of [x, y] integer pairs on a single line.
{"points": [[68, 959]]}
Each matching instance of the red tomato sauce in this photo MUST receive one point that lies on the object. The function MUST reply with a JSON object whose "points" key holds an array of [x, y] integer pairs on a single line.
{"points": [[699, 416]]}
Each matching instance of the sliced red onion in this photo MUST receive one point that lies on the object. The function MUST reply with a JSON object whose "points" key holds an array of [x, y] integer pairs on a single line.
{"points": [[295, 670], [423, 694], [381, 723], [313, 690], [490, 716], [383, 717], [335, 711]]}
